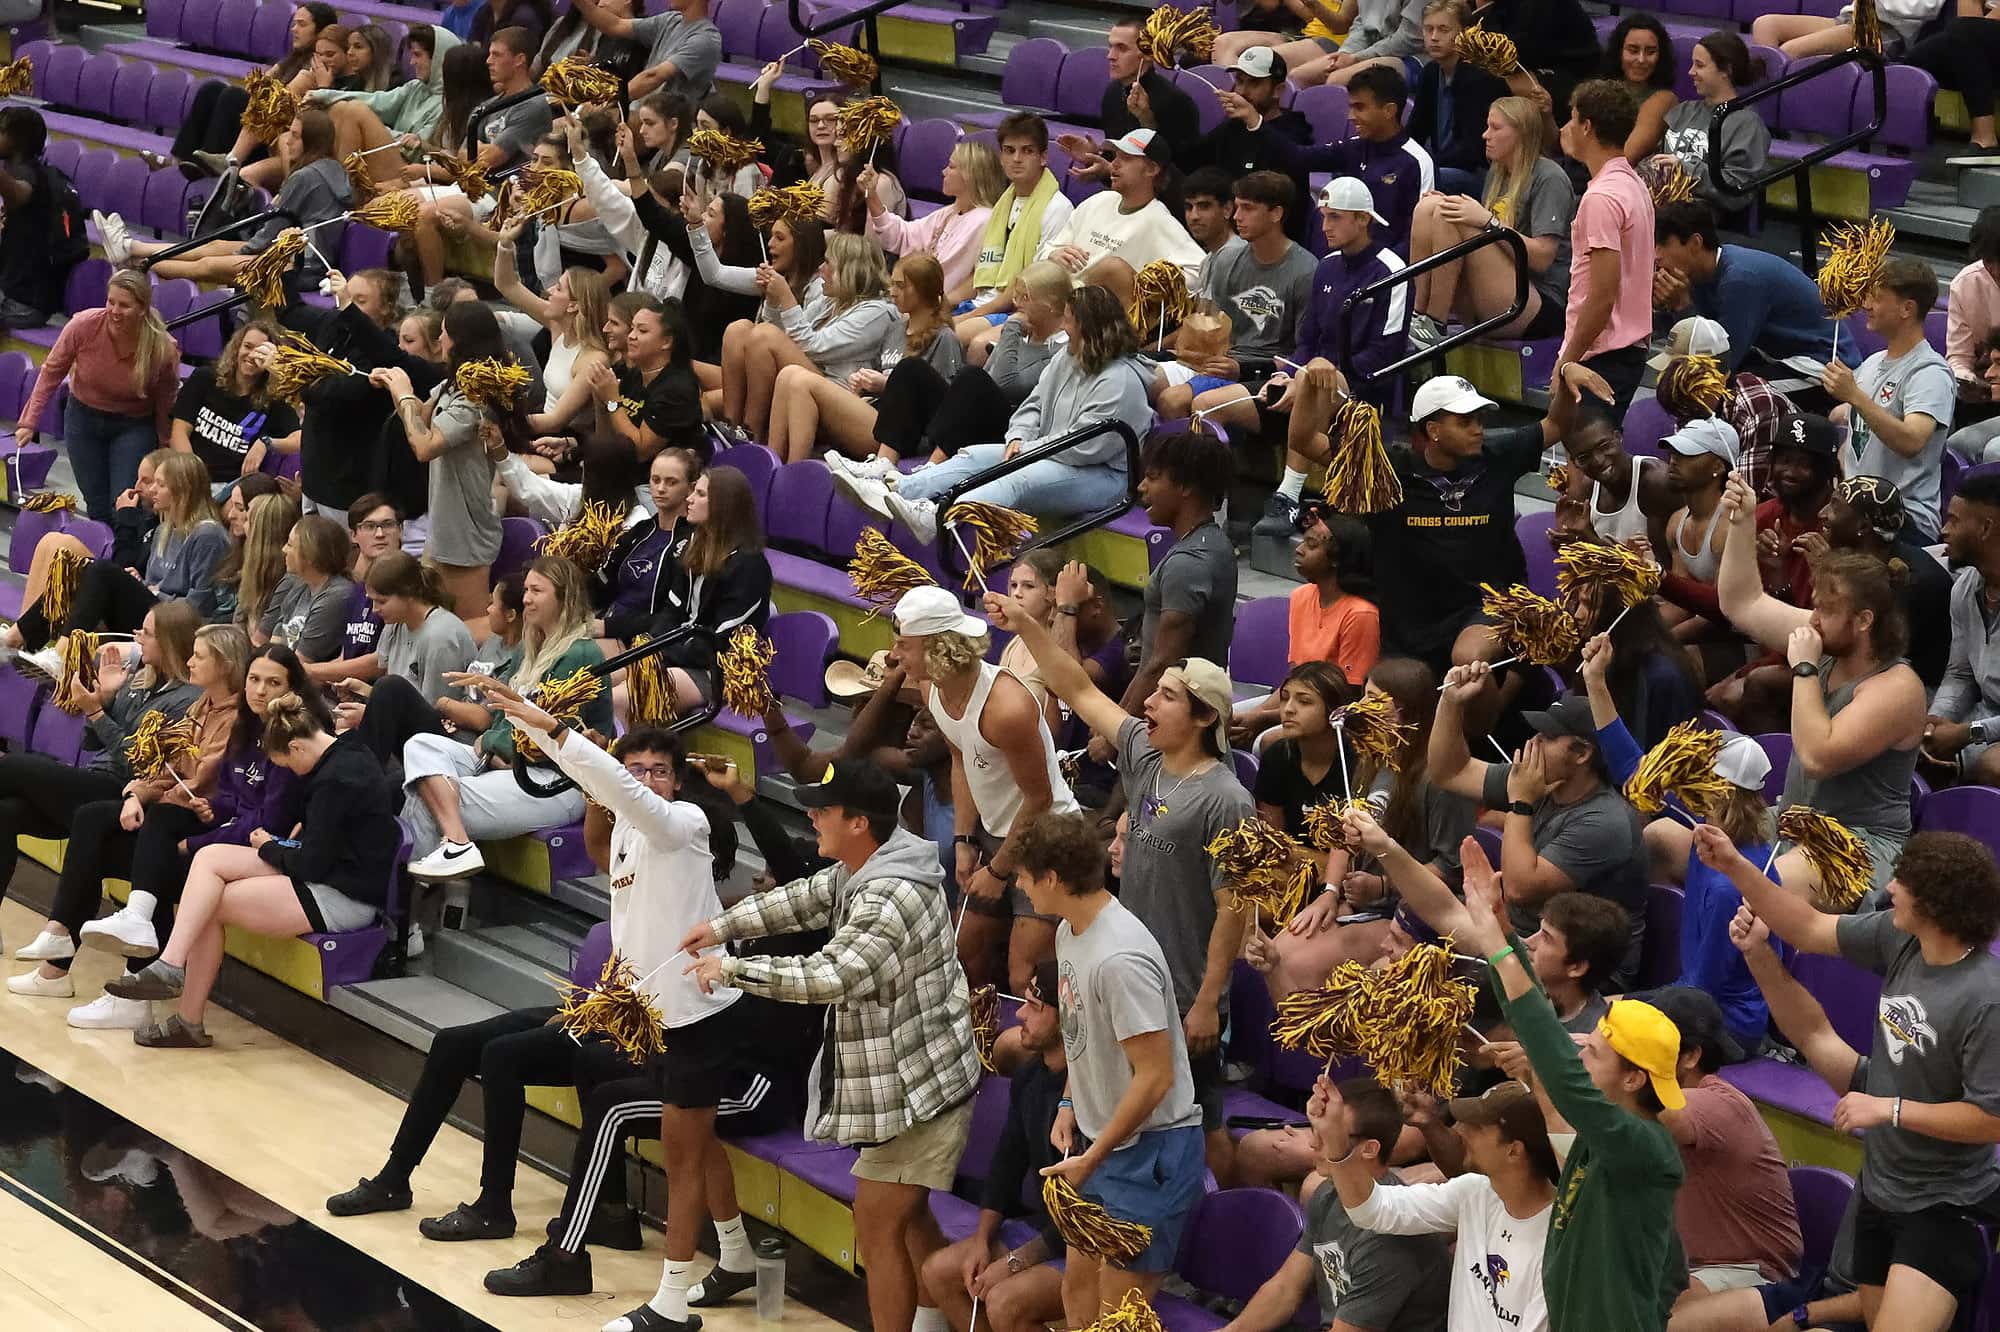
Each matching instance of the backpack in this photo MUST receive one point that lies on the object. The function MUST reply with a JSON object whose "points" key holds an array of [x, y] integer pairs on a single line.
{"points": [[69, 245]]}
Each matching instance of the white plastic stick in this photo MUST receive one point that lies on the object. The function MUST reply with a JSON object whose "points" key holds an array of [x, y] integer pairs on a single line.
{"points": [[1340, 748], [970, 562]]}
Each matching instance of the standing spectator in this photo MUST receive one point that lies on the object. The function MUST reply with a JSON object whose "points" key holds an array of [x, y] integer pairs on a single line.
{"points": [[1961, 729], [1396, 169], [1769, 311], [1448, 105], [685, 45], [1609, 319], [1190, 598], [1722, 67], [123, 371], [31, 277]]}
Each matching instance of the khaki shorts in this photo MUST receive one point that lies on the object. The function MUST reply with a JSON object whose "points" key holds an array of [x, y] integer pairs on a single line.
{"points": [[925, 1154]]}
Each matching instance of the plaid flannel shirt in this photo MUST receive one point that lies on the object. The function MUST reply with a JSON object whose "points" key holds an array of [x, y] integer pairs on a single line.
{"points": [[1755, 410], [898, 1012]]}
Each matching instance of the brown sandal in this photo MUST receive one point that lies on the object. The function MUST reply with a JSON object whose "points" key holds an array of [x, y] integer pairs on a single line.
{"points": [[173, 1034]]}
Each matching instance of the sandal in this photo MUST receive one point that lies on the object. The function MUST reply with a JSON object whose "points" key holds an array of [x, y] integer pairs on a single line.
{"points": [[176, 1033]]}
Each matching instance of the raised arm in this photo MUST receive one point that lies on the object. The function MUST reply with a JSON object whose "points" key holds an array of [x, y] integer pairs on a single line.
{"points": [[1885, 710], [1420, 887], [1452, 766], [1794, 919], [1063, 673], [1797, 1014], [1738, 585]]}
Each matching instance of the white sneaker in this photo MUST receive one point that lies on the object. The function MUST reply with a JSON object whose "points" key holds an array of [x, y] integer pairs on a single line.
{"points": [[30, 1076], [920, 516], [871, 493], [414, 945], [48, 946], [104, 1163], [452, 860], [117, 238], [878, 468], [36, 985], [122, 932], [107, 1012], [45, 662]]}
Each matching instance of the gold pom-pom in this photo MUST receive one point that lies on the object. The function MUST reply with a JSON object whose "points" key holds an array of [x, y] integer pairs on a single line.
{"points": [[855, 68], [1539, 629], [1493, 52], [745, 666], [1088, 1228], [1326, 826], [493, 383], [790, 204], [468, 175], [1372, 729], [1160, 297], [587, 539], [537, 190], [79, 664], [1681, 765], [882, 573], [985, 1024], [263, 278], [1558, 478], [997, 533], [1840, 858], [1414, 1018], [158, 746], [1671, 183], [296, 365], [359, 180], [49, 501], [723, 151], [1133, 1314], [1867, 26], [1360, 479], [1693, 386], [1169, 31], [1266, 870], [573, 81], [397, 211], [1326, 1020], [867, 122], [649, 693], [615, 1008], [18, 78], [562, 699], [1854, 264], [272, 107], [1584, 563], [59, 592]]}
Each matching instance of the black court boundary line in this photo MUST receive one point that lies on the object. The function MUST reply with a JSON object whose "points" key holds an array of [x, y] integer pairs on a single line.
{"points": [[126, 1257]]}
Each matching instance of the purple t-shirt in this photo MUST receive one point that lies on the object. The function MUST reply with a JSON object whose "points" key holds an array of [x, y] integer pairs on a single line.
{"points": [[364, 626]]}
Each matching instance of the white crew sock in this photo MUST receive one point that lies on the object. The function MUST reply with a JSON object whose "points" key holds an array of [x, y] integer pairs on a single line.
{"points": [[1294, 484], [930, 1320], [671, 1299], [734, 1243], [141, 903]]}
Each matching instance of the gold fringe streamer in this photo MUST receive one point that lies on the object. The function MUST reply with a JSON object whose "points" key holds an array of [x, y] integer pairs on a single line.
{"points": [[1133, 1314], [263, 278], [1372, 729], [49, 501], [493, 383], [1539, 629], [296, 365], [1088, 1228], [574, 81], [562, 699], [853, 67], [997, 532], [272, 107], [985, 1024], [614, 1008], [158, 746], [1693, 386], [1839, 857], [1325, 1021], [1326, 829], [649, 694], [745, 667], [1169, 30], [79, 663], [537, 190], [1359, 476], [723, 151], [1558, 478], [791, 204], [17, 79], [1493, 52], [1581, 563], [587, 539], [468, 175], [359, 181], [882, 573], [1672, 184], [1160, 298], [867, 122], [1853, 264], [1682, 765], [1266, 869], [59, 593], [1405, 1019], [397, 211]]}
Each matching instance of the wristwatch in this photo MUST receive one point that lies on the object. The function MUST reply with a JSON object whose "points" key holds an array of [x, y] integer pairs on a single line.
{"points": [[614, 406], [1800, 1318], [1015, 1266], [1805, 670], [1521, 807]]}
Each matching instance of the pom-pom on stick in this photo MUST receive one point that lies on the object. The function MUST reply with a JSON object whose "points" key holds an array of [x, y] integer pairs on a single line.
{"points": [[853, 67], [1359, 475], [359, 180], [1840, 858], [263, 278], [997, 532], [17, 79], [1853, 264], [574, 81], [1582, 563], [724, 152], [1540, 630], [587, 539], [1326, 1020], [1672, 184], [1326, 823], [397, 210], [1133, 1314], [615, 1008], [59, 592], [79, 663], [1558, 478], [867, 123], [493, 383], [1493, 52], [882, 573], [1159, 297], [1169, 31], [1266, 870], [790, 204], [649, 694], [468, 175], [49, 501], [563, 700], [1088, 1228], [543, 188], [1681, 765], [985, 1024], [1413, 1017], [1693, 387], [745, 666], [272, 108], [1371, 727], [157, 746], [296, 365]]}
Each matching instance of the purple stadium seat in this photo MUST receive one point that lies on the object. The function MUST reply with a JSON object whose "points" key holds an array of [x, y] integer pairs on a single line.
{"points": [[57, 734], [845, 521], [989, 1117], [757, 464], [163, 208], [163, 19], [30, 526], [131, 86], [87, 284], [363, 246], [1532, 530], [122, 189], [1259, 650], [739, 21], [1951, 470], [198, 23], [592, 954], [1778, 745], [202, 339], [20, 696], [1081, 84], [1251, 1013], [1820, 1195], [1237, 1239], [348, 956], [517, 545], [800, 494], [63, 153], [1207, 108], [1326, 108], [1246, 764], [270, 33], [1823, 105], [95, 536], [1646, 424], [173, 297], [93, 166], [17, 380], [1776, 64], [903, 539], [922, 156], [1662, 963], [58, 84], [233, 20], [1907, 123], [1029, 81], [167, 98], [805, 642], [1972, 810]]}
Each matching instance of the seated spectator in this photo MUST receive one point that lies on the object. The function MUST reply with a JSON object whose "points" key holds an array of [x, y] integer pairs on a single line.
{"points": [[610, 477], [1396, 169], [1866, 516], [1609, 319], [1098, 378], [721, 582], [250, 572], [458, 794], [845, 329], [1613, 496], [573, 317], [1138, 97], [364, 120], [1525, 192], [652, 399], [1753, 408], [1972, 308], [1332, 615], [824, 160], [1857, 709], [251, 158], [1118, 231], [1898, 404], [642, 569], [719, 111], [31, 288], [1257, 87], [1031, 208], [1722, 67], [1640, 53], [683, 46], [1803, 35], [421, 640], [1770, 312], [810, 409], [1277, 24], [225, 414], [954, 233], [123, 371], [213, 123], [217, 602], [1960, 730], [1301, 766], [1960, 56], [1206, 213], [1702, 454], [1449, 100], [796, 258], [307, 610]]}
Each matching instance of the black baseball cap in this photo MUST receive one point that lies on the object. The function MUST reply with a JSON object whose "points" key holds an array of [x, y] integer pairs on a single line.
{"points": [[851, 784], [1565, 717], [1699, 1020], [1811, 433]]}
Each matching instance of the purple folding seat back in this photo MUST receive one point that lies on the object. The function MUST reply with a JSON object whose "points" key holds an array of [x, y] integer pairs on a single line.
{"points": [[1823, 105], [1257, 650], [270, 32], [922, 155], [1972, 810], [131, 89], [1237, 1240], [59, 81], [1080, 86], [233, 21], [1532, 530], [86, 286], [1819, 1195], [805, 641], [800, 494], [1029, 80], [163, 20]]}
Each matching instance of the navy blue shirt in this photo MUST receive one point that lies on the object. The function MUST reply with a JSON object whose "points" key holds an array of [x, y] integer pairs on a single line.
{"points": [[1765, 302], [1397, 172], [1380, 331]]}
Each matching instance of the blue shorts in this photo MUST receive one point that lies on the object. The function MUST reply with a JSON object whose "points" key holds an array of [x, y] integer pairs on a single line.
{"points": [[997, 319], [964, 307], [1201, 384], [1156, 1180]]}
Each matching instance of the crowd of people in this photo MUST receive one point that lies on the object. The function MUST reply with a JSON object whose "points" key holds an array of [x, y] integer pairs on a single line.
{"points": [[312, 585]]}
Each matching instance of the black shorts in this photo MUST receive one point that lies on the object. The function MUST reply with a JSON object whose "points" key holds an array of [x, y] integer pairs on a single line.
{"points": [[1547, 323], [1209, 1085], [713, 1064], [1946, 1244]]}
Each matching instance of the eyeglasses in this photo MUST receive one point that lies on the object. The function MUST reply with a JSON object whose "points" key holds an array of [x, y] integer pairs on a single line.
{"points": [[656, 772], [824, 120], [379, 525]]}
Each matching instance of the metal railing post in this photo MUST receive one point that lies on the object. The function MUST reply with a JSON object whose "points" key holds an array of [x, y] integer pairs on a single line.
{"points": [[1343, 327]]}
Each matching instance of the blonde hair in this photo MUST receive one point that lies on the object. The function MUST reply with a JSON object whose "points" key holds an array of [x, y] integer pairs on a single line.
{"points": [[855, 272], [980, 165], [1455, 8], [324, 545], [156, 346], [1744, 817], [540, 649], [272, 518], [589, 302], [229, 378], [231, 647], [950, 654], [1506, 182], [287, 720], [932, 316], [174, 626], [186, 499], [1047, 280]]}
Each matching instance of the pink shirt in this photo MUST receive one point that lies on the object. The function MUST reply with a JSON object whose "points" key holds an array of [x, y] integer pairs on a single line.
{"points": [[1615, 213], [100, 378], [1973, 313], [952, 237]]}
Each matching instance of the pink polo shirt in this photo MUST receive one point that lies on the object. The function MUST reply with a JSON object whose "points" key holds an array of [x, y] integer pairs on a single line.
{"points": [[1615, 213]]}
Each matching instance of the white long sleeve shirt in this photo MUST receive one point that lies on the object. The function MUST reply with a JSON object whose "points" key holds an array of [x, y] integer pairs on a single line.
{"points": [[1496, 1271]]}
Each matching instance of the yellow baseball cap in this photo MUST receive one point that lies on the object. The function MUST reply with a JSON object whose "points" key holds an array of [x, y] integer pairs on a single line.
{"points": [[1649, 1039]]}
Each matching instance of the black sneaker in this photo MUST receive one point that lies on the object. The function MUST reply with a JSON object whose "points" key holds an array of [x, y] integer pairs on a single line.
{"points": [[466, 1222], [613, 1226], [1280, 520], [719, 1285], [546, 1271], [368, 1197]]}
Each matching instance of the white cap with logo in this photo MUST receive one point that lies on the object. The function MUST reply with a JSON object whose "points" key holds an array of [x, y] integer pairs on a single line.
{"points": [[1349, 194], [1743, 763], [1707, 435], [1259, 62], [1447, 393]]}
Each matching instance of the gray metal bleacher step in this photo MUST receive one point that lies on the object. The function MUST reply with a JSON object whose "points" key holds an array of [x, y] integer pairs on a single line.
{"points": [[1979, 187], [508, 965], [96, 36], [1936, 211], [412, 1009]]}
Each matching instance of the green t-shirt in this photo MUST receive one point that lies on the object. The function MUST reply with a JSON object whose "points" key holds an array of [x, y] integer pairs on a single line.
{"points": [[498, 741]]}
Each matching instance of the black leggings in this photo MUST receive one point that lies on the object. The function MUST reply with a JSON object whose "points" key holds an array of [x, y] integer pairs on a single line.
{"points": [[396, 711], [1962, 57], [39, 797], [100, 849], [904, 408], [214, 121], [107, 597], [972, 411], [510, 1053]]}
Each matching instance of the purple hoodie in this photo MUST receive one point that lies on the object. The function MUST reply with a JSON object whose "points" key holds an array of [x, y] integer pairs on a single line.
{"points": [[251, 792]]}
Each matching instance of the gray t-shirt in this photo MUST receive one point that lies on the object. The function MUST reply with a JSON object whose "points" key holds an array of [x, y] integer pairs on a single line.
{"points": [[694, 45], [1937, 1040], [1746, 146], [1169, 881], [1197, 578], [1598, 842], [1547, 207], [1263, 301], [317, 192], [517, 128], [423, 655], [1385, 1283], [311, 623], [465, 532], [1917, 381], [1112, 984]]}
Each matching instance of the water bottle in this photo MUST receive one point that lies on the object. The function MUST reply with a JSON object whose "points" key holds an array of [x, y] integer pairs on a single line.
{"points": [[770, 1280]]}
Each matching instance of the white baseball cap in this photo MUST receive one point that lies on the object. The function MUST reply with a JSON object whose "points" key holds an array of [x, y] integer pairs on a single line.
{"points": [[1707, 435], [1696, 336], [1259, 62], [1347, 194], [923, 611], [1447, 393], [1141, 143], [1743, 763]]}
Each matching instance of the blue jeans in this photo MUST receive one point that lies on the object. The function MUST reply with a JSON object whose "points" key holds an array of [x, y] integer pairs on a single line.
{"points": [[104, 452], [1050, 488]]}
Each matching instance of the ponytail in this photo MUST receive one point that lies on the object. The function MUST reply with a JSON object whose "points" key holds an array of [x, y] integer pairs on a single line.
{"points": [[287, 718], [398, 574]]}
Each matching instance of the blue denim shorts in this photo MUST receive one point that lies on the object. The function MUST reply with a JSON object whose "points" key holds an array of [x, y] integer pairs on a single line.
{"points": [[1155, 1180], [1201, 384]]}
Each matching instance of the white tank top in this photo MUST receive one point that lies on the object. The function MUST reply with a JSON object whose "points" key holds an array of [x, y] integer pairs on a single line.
{"points": [[559, 370], [1704, 561], [995, 793], [1625, 523]]}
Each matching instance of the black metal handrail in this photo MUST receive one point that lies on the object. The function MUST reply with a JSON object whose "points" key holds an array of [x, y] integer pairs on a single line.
{"points": [[948, 549], [1800, 167], [871, 40], [524, 774], [223, 232], [1343, 329]]}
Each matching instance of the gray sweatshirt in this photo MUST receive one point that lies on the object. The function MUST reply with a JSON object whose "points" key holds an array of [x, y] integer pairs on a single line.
{"points": [[1066, 397], [1971, 688], [841, 343], [1746, 146], [1386, 28], [1017, 362]]}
